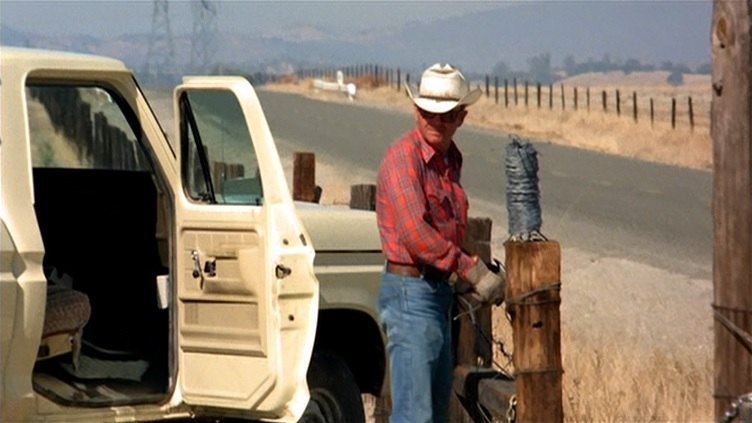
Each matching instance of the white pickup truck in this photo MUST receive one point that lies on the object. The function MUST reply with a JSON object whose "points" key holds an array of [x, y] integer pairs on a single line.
{"points": [[142, 280]]}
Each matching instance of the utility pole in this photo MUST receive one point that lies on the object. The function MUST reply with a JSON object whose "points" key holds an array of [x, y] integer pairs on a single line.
{"points": [[160, 58], [731, 131], [204, 32]]}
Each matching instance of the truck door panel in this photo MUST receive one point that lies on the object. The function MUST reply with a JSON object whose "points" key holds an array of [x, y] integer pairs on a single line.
{"points": [[247, 295]]}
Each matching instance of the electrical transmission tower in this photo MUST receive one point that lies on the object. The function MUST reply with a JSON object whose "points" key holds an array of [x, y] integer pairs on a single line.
{"points": [[160, 58], [204, 30]]}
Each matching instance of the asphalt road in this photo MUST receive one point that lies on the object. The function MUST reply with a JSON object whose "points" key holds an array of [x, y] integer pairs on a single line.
{"points": [[611, 206]]}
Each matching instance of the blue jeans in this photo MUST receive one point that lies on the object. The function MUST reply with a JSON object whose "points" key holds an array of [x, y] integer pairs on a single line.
{"points": [[416, 315]]}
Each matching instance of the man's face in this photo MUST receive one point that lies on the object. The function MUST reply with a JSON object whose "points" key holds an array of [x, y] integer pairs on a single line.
{"points": [[439, 128]]}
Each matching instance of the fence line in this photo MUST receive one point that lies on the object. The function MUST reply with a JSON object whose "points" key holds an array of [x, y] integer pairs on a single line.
{"points": [[510, 92]]}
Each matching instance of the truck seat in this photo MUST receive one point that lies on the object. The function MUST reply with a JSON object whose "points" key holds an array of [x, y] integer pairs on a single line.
{"points": [[66, 313]]}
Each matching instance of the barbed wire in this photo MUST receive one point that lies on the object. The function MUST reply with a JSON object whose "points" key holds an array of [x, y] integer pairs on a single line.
{"points": [[522, 192]]}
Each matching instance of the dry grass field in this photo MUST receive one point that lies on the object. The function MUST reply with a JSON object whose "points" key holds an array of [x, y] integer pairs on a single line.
{"points": [[636, 340]]}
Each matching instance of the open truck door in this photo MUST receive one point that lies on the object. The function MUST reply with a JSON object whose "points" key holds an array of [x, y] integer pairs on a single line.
{"points": [[247, 296]]}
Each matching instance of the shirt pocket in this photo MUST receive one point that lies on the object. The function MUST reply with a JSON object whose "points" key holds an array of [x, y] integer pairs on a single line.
{"points": [[440, 208]]}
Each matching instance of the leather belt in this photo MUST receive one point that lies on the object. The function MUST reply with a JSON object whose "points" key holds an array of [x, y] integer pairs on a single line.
{"points": [[417, 271]]}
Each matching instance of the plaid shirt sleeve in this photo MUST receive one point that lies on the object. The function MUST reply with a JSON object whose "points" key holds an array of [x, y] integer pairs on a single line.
{"points": [[401, 206]]}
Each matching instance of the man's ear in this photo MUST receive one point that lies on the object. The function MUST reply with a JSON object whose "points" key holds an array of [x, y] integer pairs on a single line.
{"points": [[461, 118], [416, 113]]}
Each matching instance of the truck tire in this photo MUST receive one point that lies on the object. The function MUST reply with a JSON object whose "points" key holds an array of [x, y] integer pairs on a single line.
{"points": [[335, 396]]}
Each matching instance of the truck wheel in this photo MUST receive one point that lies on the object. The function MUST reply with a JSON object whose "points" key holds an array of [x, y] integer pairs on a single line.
{"points": [[335, 396]]}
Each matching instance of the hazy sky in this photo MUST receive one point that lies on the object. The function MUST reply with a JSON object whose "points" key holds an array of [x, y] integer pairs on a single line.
{"points": [[103, 18]]}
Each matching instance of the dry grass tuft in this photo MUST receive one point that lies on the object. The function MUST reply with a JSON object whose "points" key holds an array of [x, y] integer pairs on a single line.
{"points": [[613, 384]]}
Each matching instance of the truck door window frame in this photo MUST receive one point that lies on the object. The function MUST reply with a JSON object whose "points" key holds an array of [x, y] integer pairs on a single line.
{"points": [[216, 155]]}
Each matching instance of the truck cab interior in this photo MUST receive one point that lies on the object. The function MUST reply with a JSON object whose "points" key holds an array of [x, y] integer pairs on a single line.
{"points": [[101, 213]]}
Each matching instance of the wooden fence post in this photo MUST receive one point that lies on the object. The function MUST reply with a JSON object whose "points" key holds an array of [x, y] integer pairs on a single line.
{"points": [[618, 103], [514, 82], [563, 106], [538, 93], [471, 349], [496, 89], [652, 112], [488, 89], [603, 96], [526, 90], [634, 105], [551, 96], [731, 131], [575, 98], [587, 93], [673, 113], [506, 93], [691, 114], [534, 275], [304, 177], [363, 197]]}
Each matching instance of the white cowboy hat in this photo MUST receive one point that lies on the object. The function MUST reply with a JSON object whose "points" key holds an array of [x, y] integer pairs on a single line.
{"points": [[442, 88]]}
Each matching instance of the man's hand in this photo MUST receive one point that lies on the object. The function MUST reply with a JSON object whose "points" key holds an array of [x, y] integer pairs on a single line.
{"points": [[488, 283]]}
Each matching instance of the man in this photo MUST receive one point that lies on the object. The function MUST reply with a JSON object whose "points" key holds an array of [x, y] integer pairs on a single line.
{"points": [[421, 210]]}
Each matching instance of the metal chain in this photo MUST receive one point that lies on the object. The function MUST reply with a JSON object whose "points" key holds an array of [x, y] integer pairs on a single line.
{"points": [[743, 402], [512, 409]]}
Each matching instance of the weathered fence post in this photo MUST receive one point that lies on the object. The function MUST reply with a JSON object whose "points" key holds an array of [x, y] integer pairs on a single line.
{"points": [[575, 98], [551, 96], [634, 105], [533, 273], [514, 81], [618, 103], [526, 91], [506, 93], [538, 93], [731, 131], [691, 114], [304, 177], [363, 197], [673, 113], [652, 112], [603, 96], [563, 104], [488, 84], [496, 89], [471, 349], [587, 93]]}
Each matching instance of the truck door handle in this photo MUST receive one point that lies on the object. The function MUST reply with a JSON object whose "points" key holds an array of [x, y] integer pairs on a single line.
{"points": [[282, 271], [196, 264]]}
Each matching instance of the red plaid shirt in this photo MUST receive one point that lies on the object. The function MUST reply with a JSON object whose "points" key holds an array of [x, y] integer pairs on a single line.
{"points": [[421, 207]]}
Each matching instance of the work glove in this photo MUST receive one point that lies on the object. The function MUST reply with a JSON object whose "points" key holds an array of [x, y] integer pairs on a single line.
{"points": [[485, 283]]}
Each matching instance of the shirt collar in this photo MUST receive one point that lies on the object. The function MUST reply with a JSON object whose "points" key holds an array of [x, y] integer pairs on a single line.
{"points": [[428, 153]]}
